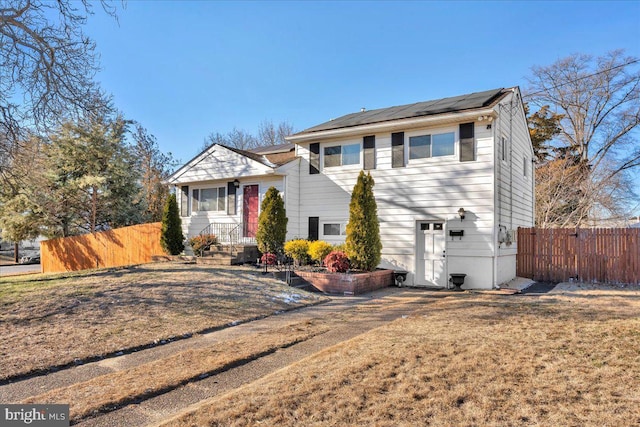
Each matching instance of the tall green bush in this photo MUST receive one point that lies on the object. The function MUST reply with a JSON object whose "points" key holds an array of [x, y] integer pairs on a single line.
{"points": [[171, 237], [272, 223], [363, 246]]}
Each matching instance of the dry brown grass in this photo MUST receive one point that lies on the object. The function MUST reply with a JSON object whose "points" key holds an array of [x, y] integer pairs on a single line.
{"points": [[118, 388], [50, 321], [467, 360]]}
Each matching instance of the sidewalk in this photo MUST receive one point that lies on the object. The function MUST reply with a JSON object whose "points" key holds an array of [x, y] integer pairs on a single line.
{"points": [[368, 311]]}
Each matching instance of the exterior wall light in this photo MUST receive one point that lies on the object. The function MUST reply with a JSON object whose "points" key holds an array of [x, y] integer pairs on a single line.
{"points": [[236, 183], [461, 212]]}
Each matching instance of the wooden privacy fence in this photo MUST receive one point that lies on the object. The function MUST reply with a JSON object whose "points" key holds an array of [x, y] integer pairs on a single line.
{"points": [[121, 246], [604, 255]]}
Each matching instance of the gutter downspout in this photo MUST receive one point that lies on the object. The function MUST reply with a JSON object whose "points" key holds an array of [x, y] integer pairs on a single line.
{"points": [[511, 161], [496, 200]]}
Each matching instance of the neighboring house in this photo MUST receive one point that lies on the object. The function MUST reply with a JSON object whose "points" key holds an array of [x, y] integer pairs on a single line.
{"points": [[431, 161]]}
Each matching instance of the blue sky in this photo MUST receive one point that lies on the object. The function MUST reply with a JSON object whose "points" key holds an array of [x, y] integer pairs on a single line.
{"points": [[186, 69]]}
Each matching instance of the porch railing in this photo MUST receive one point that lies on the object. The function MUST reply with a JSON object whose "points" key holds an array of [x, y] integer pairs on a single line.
{"points": [[230, 235]]}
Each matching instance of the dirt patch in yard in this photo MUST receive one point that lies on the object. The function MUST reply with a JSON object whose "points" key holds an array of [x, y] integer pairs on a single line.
{"points": [[48, 321], [464, 360]]}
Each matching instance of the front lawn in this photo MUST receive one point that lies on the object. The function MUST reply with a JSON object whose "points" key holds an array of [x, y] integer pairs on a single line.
{"points": [[54, 320], [467, 360]]}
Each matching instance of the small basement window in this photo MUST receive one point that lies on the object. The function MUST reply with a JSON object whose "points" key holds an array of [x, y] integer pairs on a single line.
{"points": [[342, 155], [334, 229]]}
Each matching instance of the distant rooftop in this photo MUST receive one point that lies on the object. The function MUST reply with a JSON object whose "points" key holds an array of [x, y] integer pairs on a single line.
{"points": [[438, 106], [272, 155]]}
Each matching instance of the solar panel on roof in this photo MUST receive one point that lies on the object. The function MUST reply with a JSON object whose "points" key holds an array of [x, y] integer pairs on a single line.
{"points": [[419, 109]]}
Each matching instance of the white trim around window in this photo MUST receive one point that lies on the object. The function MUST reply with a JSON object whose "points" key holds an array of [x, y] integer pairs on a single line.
{"points": [[432, 145], [346, 154], [209, 199], [333, 230]]}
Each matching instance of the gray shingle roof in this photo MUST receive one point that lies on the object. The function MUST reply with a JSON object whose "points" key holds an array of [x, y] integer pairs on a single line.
{"points": [[419, 109]]}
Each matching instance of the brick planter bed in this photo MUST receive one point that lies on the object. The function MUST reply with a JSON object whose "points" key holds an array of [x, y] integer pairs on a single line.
{"points": [[348, 284]]}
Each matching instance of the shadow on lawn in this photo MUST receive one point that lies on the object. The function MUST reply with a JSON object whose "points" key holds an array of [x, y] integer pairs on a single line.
{"points": [[166, 304]]}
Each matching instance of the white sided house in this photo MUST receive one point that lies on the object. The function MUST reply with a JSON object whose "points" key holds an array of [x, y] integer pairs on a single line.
{"points": [[453, 182], [221, 189]]}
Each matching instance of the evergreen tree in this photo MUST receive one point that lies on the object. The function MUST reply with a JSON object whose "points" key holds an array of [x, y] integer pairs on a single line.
{"points": [[363, 246], [171, 238], [272, 223]]}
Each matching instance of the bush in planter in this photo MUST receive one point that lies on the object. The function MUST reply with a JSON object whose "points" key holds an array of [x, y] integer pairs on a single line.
{"points": [[342, 247], [297, 249], [318, 250], [272, 223], [202, 242], [364, 248], [336, 262]]}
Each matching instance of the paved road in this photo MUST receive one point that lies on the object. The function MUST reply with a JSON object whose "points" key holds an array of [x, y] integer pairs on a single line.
{"points": [[8, 270]]}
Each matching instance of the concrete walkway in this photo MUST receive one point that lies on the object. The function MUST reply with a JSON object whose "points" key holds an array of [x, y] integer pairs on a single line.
{"points": [[366, 312]]}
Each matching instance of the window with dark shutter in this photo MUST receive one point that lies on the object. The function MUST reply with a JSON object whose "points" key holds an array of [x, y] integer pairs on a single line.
{"points": [[184, 201], [397, 150], [369, 148], [314, 223], [314, 158], [195, 199], [231, 198], [467, 142]]}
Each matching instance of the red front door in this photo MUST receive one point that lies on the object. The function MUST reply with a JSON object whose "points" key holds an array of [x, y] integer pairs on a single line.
{"points": [[250, 210]]}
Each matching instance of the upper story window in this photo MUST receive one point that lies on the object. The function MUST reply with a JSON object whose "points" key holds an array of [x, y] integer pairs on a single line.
{"points": [[436, 145], [341, 155], [208, 199]]}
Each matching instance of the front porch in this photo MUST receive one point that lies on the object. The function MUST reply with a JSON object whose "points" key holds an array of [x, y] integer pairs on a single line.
{"points": [[230, 244]]}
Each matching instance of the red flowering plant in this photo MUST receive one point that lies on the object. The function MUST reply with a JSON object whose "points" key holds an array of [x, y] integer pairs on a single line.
{"points": [[337, 262], [269, 259]]}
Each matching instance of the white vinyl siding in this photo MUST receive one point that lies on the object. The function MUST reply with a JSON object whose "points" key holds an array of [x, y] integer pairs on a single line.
{"points": [[219, 163], [427, 189]]}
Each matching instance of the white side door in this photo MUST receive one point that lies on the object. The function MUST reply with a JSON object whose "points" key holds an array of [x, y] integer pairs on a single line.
{"points": [[430, 254]]}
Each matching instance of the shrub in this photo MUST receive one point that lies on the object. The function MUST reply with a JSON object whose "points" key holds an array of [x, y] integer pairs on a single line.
{"points": [[272, 223], [318, 250], [337, 262], [342, 247], [202, 242], [171, 238], [297, 249], [269, 259], [364, 248]]}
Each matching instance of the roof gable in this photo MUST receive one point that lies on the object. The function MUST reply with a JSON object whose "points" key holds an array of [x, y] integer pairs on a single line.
{"points": [[221, 162]]}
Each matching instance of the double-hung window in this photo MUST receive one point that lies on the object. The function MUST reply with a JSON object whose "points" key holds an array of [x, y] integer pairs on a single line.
{"points": [[208, 199], [342, 155], [435, 145]]}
